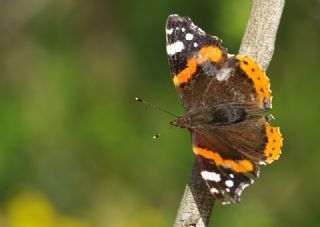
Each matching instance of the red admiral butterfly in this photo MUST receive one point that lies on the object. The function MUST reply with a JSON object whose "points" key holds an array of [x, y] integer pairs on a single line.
{"points": [[225, 97]]}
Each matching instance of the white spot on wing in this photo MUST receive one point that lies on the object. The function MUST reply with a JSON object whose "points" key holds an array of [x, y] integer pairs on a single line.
{"points": [[229, 183], [200, 30], [211, 176], [258, 173], [226, 202], [223, 74], [214, 191], [262, 163], [193, 26], [240, 189], [175, 48], [169, 31], [195, 44], [183, 29], [228, 189], [189, 36], [231, 175]]}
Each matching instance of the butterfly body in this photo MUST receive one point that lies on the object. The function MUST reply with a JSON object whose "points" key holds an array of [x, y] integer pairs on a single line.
{"points": [[217, 116], [225, 97]]}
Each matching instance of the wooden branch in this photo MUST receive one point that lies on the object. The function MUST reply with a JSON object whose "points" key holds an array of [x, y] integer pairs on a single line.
{"points": [[260, 35], [258, 43], [196, 204]]}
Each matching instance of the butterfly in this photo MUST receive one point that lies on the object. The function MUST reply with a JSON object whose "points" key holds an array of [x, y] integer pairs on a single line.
{"points": [[226, 98]]}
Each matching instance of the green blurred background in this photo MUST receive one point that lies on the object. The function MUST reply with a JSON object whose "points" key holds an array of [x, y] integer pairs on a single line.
{"points": [[76, 150]]}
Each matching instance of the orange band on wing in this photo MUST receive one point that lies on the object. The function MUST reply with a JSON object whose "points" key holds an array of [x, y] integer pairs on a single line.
{"points": [[259, 78], [240, 166], [212, 53], [273, 148]]}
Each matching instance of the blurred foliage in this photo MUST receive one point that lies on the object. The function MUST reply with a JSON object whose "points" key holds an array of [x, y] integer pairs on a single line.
{"points": [[32, 209], [76, 150]]}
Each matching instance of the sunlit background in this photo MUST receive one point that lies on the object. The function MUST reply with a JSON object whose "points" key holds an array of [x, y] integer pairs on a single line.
{"points": [[76, 150]]}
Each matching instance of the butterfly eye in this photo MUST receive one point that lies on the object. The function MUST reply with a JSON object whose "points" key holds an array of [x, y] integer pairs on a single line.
{"points": [[228, 115]]}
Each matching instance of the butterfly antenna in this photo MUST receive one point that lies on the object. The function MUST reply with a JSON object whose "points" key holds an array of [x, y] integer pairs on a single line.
{"points": [[155, 107], [156, 136]]}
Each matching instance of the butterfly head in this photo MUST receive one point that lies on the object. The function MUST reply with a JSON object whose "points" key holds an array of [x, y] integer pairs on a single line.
{"points": [[181, 122]]}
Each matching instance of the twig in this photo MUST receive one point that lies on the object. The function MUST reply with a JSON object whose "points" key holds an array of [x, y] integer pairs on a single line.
{"points": [[258, 42], [196, 204], [260, 35]]}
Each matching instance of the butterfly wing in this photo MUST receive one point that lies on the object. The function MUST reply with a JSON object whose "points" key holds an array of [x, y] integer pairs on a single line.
{"points": [[187, 48], [205, 75], [225, 171], [254, 138], [229, 155], [207, 78]]}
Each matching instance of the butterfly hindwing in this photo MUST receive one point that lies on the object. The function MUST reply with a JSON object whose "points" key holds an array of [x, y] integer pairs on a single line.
{"points": [[254, 138], [225, 171], [234, 153], [223, 183]]}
